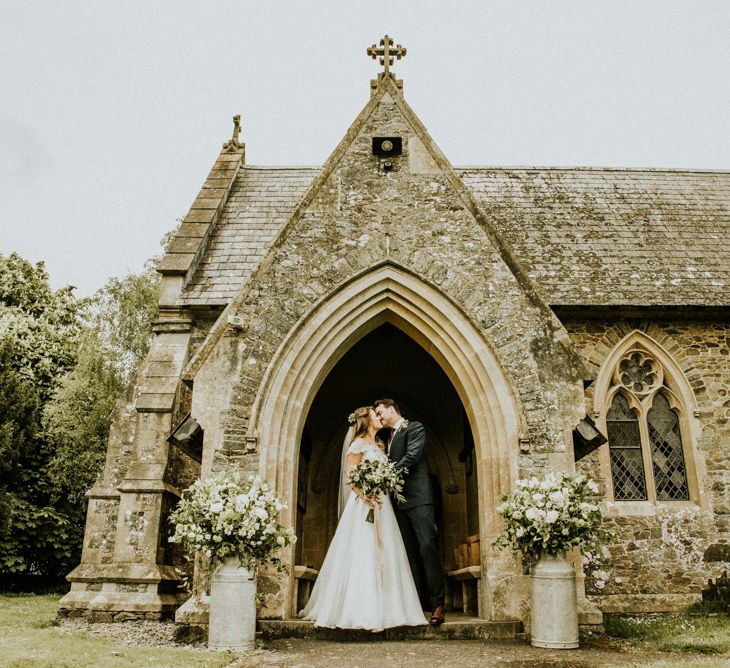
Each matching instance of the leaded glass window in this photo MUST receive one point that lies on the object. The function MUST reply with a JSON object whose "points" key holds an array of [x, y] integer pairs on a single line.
{"points": [[627, 464], [644, 427], [670, 477]]}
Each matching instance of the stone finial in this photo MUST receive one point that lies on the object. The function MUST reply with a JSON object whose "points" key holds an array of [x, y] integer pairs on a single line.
{"points": [[387, 52], [233, 144]]}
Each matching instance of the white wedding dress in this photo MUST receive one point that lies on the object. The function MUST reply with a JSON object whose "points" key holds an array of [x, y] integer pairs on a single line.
{"points": [[365, 581]]}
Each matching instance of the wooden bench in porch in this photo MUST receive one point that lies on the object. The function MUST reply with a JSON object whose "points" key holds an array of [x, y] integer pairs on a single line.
{"points": [[464, 584], [305, 577]]}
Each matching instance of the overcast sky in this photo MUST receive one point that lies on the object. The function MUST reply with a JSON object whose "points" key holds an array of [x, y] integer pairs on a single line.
{"points": [[112, 113]]}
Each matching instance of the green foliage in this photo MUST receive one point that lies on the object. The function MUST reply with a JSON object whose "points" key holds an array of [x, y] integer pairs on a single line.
{"points": [[19, 416], [122, 314], [76, 422], [78, 417], [42, 326], [38, 334], [40, 541], [64, 366]]}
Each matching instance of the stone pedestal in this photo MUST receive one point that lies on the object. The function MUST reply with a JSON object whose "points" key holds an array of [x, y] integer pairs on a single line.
{"points": [[554, 618], [232, 607]]}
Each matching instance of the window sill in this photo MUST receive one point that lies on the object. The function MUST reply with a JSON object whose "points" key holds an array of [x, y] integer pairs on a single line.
{"points": [[647, 508]]}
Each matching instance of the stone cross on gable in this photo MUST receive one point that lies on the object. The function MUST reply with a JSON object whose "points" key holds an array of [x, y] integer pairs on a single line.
{"points": [[387, 53]]}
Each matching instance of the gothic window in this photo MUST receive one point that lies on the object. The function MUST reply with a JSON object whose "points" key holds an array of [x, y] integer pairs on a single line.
{"points": [[644, 430]]}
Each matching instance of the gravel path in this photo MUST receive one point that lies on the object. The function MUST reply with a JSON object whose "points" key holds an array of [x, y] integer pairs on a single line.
{"points": [[141, 634]]}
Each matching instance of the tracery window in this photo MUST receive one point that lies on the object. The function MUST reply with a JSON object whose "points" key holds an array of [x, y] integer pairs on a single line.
{"points": [[644, 429]]}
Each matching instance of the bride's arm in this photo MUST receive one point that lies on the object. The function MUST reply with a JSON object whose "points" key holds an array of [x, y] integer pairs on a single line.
{"points": [[353, 459]]}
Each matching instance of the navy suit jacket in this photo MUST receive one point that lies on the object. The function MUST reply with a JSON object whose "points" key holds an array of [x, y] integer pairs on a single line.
{"points": [[408, 451]]}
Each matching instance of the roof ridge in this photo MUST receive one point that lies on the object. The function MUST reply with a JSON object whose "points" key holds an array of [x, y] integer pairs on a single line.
{"points": [[280, 167], [650, 170], [570, 168]]}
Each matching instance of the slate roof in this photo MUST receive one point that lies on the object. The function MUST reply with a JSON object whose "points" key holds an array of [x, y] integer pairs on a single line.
{"points": [[587, 236], [261, 201]]}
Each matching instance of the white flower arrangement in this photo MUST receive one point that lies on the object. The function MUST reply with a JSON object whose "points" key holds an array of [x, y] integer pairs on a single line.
{"points": [[552, 515], [228, 515]]}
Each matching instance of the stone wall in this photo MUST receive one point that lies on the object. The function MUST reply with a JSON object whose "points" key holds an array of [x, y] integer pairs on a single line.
{"points": [[662, 557]]}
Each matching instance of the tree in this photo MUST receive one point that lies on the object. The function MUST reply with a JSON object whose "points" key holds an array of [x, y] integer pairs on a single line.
{"points": [[39, 331], [42, 326], [65, 363], [18, 425]]}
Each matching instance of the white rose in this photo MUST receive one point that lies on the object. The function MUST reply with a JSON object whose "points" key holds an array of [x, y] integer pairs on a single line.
{"points": [[552, 516], [532, 514], [556, 497], [216, 507], [280, 540]]}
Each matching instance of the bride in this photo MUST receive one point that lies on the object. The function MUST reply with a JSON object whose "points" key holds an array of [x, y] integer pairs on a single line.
{"points": [[365, 581]]}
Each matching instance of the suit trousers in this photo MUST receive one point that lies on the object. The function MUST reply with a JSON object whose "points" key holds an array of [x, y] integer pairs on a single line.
{"points": [[420, 521]]}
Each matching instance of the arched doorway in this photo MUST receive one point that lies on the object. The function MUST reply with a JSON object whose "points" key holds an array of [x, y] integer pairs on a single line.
{"points": [[386, 362], [391, 294]]}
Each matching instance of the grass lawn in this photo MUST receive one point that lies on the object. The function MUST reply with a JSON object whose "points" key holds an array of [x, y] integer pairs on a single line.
{"points": [[30, 636], [680, 633]]}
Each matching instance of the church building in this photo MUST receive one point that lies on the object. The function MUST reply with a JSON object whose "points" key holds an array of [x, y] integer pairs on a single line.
{"points": [[533, 319]]}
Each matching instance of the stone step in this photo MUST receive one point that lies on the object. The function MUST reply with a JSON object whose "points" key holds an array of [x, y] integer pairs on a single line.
{"points": [[460, 628]]}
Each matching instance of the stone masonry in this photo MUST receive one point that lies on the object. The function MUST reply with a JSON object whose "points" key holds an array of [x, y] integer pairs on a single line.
{"points": [[522, 284]]}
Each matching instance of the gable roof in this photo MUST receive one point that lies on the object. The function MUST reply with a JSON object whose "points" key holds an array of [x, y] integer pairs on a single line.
{"points": [[585, 236]]}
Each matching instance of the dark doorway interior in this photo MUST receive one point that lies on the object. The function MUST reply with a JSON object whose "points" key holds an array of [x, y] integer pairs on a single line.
{"points": [[386, 362]]}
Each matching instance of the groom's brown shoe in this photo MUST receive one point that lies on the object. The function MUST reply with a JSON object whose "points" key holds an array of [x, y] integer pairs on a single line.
{"points": [[438, 616]]}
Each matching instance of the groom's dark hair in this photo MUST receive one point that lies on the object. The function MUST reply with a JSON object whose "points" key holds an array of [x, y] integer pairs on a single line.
{"points": [[387, 403]]}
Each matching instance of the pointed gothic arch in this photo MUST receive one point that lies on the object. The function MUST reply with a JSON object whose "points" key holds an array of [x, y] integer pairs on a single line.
{"points": [[672, 384], [389, 293]]}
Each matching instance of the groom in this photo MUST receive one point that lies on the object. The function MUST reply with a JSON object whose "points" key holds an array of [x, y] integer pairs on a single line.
{"points": [[407, 449]]}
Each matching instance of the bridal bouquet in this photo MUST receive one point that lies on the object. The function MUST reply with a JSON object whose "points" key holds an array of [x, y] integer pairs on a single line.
{"points": [[552, 515], [377, 476], [228, 515]]}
